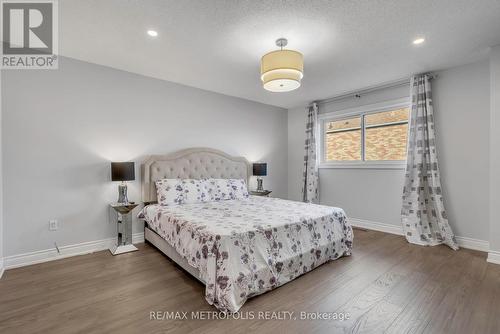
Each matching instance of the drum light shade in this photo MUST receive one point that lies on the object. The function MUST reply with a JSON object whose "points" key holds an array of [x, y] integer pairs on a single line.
{"points": [[282, 70], [122, 171], [260, 169]]}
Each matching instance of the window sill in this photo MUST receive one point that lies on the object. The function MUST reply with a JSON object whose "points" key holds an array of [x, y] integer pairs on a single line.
{"points": [[365, 165]]}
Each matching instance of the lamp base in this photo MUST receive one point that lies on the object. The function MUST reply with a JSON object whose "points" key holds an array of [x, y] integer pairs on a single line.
{"points": [[122, 193], [260, 188]]}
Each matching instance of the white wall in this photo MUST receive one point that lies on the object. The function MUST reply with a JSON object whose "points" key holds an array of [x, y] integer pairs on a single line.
{"points": [[1, 183], [61, 128], [495, 154], [461, 97], [368, 194], [296, 142], [461, 100]]}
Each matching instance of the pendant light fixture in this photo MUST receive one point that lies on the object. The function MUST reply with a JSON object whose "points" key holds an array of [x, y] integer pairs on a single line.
{"points": [[282, 70]]}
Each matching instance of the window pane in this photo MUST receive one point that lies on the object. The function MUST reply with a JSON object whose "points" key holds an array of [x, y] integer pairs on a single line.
{"points": [[351, 123], [343, 140], [399, 115], [386, 142], [386, 134]]}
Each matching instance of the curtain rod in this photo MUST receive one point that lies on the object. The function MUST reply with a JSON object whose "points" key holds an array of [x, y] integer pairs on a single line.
{"points": [[359, 92]]}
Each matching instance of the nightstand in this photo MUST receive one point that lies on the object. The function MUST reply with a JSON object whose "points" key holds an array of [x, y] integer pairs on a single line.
{"points": [[264, 193], [124, 228]]}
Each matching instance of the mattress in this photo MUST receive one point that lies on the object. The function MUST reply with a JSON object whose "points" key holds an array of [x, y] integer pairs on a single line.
{"points": [[246, 247]]}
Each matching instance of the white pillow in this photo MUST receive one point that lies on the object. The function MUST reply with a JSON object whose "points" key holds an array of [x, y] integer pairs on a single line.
{"points": [[226, 189], [181, 191], [239, 188], [217, 189]]}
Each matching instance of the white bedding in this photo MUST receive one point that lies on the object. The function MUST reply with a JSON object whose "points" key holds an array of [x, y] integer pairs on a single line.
{"points": [[246, 247]]}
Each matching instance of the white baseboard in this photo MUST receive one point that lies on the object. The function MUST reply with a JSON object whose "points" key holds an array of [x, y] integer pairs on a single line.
{"points": [[475, 244], [138, 238], [464, 242], [1, 267], [371, 225], [493, 257], [27, 259]]}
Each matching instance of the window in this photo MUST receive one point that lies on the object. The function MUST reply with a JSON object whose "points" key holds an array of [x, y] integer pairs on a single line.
{"points": [[343, 140], [374, 136]]}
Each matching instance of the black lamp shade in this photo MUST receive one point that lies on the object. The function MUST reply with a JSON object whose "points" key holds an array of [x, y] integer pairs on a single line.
{"points": [[122, 171], [260, 169]]}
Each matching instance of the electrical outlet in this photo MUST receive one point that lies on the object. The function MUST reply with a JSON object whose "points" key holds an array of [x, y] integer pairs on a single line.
{"points": [[53, 225]]}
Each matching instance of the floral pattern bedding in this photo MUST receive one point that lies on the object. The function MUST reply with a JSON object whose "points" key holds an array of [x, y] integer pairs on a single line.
{"points": [[189, 191], [246, 247], [180, 191], [225, 189]]}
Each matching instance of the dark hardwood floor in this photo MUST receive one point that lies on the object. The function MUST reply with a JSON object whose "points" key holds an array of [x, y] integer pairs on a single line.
{"points": [[386, 286]]}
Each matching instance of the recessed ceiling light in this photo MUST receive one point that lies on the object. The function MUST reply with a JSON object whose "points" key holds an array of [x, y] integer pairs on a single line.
{"points": [[419, 41], [152, 33]]}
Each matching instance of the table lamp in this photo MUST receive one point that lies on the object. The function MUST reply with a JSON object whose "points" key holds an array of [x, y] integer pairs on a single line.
{"points": [[122, 171], [260, 169]]}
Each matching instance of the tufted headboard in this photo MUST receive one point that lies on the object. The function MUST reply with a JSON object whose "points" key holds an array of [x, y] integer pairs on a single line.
{"points": [[192, 163]]}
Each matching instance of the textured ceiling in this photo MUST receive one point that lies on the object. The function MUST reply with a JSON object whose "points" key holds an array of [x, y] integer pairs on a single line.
{"points": [[216, 45]]}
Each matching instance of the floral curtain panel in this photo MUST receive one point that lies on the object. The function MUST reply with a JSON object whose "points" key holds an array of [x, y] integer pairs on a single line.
{"points": [[423, 214], [310, 174]]}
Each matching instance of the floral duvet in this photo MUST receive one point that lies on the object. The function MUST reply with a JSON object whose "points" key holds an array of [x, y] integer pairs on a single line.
{"points": [[246, 247]]}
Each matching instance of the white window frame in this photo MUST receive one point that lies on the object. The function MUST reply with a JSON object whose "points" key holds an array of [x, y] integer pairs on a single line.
{"points": [[360, 112]]}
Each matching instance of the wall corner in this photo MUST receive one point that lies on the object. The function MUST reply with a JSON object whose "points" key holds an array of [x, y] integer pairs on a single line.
{"points": [[494, 191]]}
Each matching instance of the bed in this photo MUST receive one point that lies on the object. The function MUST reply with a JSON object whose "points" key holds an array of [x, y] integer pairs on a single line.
{"points": [[238, 248]]}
